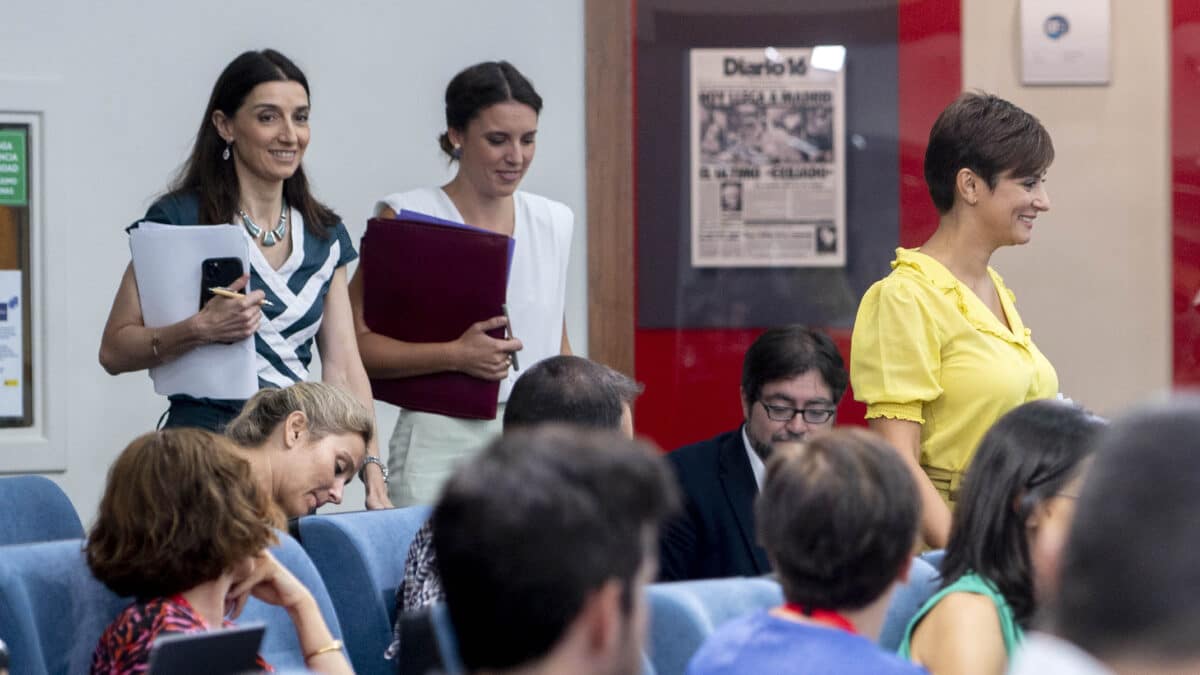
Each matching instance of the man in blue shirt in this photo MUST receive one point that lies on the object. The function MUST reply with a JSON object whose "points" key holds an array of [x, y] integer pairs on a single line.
{"points": [[838, 519]]}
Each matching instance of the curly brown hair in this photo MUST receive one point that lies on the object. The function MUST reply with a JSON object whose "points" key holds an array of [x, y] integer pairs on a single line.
{"points": [[180, 508]]}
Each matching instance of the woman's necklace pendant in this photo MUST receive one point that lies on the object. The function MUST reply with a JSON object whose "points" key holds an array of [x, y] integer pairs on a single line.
{"points": [[271, 237]]}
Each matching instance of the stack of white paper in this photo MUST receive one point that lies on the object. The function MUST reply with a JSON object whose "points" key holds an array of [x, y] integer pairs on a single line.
{"points": [[166, 264]]}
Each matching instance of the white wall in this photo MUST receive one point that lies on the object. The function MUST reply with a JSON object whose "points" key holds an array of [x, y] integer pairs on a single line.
{"points": [[1094, 284], [122, 85]]}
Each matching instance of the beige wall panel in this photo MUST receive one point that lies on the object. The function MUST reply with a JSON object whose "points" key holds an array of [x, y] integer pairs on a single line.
{"points": [[1094, 284]]}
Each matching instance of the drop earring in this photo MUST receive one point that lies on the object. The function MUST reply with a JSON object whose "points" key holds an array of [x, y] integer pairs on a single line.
{"points": [[456, 153], [225, 155]]}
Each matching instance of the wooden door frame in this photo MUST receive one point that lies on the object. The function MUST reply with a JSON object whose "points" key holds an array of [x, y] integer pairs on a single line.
{"points": [[608, 61]]}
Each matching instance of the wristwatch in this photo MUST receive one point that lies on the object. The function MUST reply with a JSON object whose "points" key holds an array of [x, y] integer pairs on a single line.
{"points": [[372, 459]]}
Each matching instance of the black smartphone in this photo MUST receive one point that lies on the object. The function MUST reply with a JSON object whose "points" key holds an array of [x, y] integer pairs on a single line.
{"points": [[217, 272]]}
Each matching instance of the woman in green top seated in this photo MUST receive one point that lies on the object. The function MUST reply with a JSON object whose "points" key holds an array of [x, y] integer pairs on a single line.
{"points": [[1017, 502]]}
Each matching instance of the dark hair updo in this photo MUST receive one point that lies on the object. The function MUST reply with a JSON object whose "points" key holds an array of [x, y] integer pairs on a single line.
{"points": [[482, 85]]}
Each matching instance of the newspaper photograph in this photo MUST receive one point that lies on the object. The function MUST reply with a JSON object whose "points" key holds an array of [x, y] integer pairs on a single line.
{"points": [[768, 178]]}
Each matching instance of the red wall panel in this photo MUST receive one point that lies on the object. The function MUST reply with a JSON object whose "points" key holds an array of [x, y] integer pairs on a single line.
{"points": [[1185, 193]]}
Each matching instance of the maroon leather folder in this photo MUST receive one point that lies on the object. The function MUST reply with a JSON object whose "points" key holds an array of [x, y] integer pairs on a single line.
{"points": [[427, 282]]}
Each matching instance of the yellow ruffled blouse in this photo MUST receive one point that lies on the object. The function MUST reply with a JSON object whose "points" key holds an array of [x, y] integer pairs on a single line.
{"points": [[926, 349]]}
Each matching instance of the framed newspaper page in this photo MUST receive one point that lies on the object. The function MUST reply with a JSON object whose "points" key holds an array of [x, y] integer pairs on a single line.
{"points": [[768, 167]]}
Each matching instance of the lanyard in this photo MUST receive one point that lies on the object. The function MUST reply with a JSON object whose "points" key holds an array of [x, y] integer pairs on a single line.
{"points": [[826, 616]]}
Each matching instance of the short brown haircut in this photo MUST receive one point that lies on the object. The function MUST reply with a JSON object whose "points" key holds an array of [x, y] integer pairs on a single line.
{"points": [[180, 508], [570, 390], [838, 519], [989, 136], [535, 523]]}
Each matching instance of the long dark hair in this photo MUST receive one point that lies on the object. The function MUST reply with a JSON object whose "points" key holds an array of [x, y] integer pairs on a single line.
{"points": [[213, 180], [482, 85], [1027, 457]]}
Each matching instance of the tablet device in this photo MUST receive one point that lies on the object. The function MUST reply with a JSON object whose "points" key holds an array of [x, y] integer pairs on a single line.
{"points": [[228, 651]]}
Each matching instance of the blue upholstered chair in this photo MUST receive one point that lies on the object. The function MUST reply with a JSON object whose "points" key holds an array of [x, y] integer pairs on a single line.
{"points": [[53, 611], [280, 646], [923, 582], [684, 613], [361, 557], [934, 557], [35, 510]]}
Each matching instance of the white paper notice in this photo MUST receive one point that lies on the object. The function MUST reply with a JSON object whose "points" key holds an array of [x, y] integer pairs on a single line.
{"points": [[12, 338], [166, 266], [1065, 41]]}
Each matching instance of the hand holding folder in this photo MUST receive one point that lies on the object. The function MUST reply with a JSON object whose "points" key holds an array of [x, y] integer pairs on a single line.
{"points": [[429, 280]]}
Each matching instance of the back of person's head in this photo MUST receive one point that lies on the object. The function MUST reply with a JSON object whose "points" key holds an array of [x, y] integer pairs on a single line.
{"points": [[788, 351], [1129, 588], [838, 518], [570, 390], [328, 411], [989, 136], [535, 526], [180, 508], [1026, 458]]}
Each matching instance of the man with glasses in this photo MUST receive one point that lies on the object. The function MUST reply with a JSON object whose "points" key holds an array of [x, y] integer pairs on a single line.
{"points": [[792, 380]]}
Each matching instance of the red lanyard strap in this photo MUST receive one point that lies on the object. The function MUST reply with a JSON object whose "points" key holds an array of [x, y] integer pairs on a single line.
{"points": [[828, 617]]}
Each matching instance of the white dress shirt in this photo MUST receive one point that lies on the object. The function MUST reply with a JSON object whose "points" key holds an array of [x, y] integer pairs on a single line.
{"points": [[756, 464]]}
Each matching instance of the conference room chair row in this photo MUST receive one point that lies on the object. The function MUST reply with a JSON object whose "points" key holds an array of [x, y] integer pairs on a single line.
{"points": [[52, 611]]}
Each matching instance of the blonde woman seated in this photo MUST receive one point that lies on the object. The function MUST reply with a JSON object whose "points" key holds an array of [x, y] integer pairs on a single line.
{"points": [[303, 443], [1017, 502], [183, 527]]}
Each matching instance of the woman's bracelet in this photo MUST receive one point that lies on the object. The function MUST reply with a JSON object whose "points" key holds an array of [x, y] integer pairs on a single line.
{"points": [[372, 459], [335, 646]]}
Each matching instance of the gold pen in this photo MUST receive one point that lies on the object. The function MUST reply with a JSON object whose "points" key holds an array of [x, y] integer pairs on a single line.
{"points": [[508, 329], [226, 293]]}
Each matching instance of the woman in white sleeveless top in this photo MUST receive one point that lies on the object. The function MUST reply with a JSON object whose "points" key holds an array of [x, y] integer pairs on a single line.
{"points": [[491, 127]]}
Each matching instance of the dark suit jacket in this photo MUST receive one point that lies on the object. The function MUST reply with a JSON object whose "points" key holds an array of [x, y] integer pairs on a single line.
{"points": [[714, 536]]}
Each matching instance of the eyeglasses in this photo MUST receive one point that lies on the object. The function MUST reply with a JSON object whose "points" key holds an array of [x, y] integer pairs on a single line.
{"points": [[786, 413]]}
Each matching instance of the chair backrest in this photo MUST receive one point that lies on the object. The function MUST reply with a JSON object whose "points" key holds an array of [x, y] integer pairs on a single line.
{"points": [[923, 582], [53, 611], [36, 510], [361, 557], [934, 557], [281, 646], [684, 613]]}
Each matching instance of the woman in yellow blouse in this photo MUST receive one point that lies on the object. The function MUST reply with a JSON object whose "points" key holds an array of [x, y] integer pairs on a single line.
{"points": [[939, 352]]}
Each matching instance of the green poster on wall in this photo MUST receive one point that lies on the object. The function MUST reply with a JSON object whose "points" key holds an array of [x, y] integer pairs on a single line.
{"points": [[14, 168]]}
